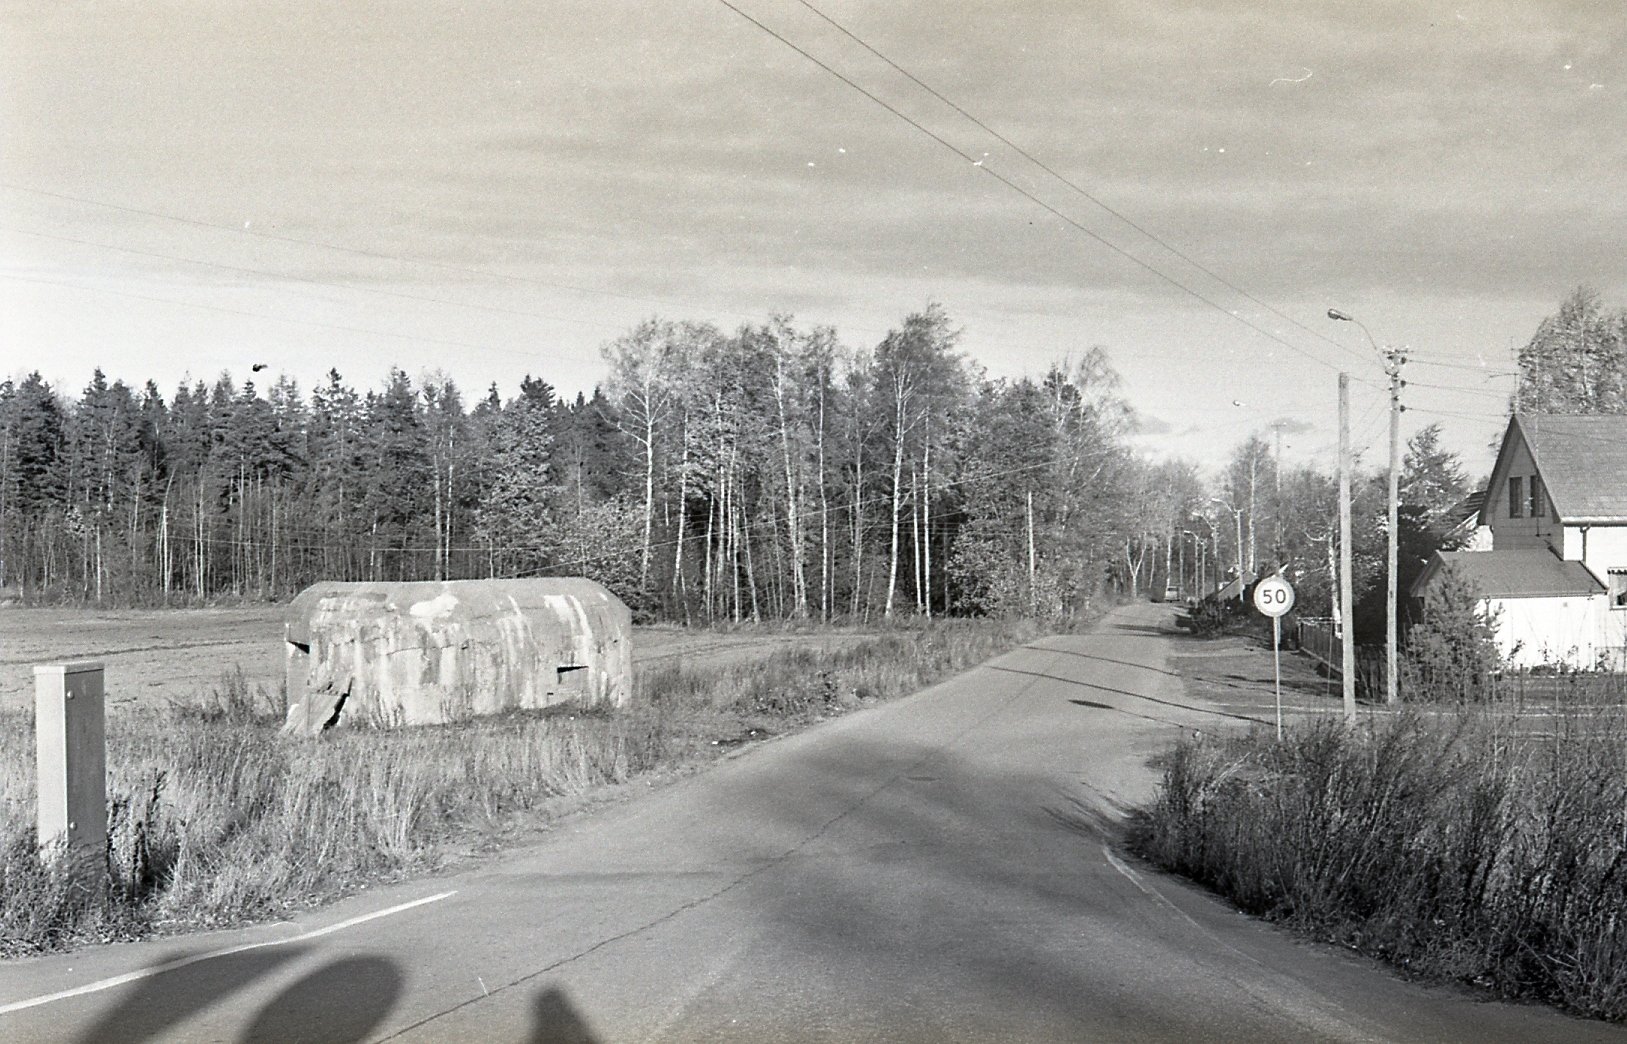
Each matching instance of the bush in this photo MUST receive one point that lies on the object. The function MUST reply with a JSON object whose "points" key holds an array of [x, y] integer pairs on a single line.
{"points": [[1451, 653], [1479, 847], [1213, 616]]}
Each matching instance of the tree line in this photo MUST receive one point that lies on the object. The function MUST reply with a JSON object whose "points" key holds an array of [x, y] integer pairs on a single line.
{"points": [[771, 472], [768, 472]]}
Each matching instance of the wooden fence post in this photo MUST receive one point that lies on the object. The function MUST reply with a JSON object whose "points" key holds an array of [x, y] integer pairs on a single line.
{"points": [[69, 729]]}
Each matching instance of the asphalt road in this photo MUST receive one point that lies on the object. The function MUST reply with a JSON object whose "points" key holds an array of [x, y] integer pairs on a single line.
{"points": [[937, 869]]}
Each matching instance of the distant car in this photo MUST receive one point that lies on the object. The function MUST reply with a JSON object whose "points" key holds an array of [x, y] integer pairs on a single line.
{"points": [[1172, 593]]}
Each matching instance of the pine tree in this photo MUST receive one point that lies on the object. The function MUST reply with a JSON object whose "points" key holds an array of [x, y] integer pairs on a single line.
{"points": [[1452, 653], [515, 519], [1432, 478]]}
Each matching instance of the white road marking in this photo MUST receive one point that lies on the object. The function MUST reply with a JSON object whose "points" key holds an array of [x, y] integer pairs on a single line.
{"points": [[197, 958], [1275, 991]]}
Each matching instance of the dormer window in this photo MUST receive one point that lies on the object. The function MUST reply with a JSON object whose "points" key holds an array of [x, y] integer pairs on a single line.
{"points": [[1515, 497], [1538, 509]]}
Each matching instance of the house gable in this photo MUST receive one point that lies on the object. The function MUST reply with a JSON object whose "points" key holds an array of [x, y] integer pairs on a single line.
{"points": [[1582, 459], [1508, 507]]}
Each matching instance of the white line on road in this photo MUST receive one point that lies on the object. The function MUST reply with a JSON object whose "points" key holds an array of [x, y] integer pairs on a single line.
{"points": [[159, 969], [1274, 990]]}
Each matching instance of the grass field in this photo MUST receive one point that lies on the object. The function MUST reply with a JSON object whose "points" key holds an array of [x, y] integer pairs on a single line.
{"points": [[155, 657], [216, 819]]}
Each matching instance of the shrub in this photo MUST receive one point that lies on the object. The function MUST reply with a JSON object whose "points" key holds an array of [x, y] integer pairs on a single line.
{"points": [[1214, 616], [1452, 652], [1477, 846]]}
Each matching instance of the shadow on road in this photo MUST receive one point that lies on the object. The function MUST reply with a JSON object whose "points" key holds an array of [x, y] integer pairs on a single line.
{"points": [[168, 998], [1129, 628], [959, 861], [1097, 657], [346, 999], [554, 1020], [1135, 695], [342, 1000]]}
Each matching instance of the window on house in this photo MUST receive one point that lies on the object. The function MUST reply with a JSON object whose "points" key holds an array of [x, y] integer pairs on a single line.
{"points": [[1514, 497], [1618, 588], [1538, 508]]}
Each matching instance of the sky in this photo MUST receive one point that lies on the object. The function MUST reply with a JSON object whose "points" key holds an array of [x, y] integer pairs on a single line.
{"points": [[498, 188]]}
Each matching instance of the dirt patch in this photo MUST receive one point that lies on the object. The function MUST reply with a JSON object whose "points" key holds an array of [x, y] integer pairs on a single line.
{"points": [[155, 656], [151, 655], [661, 646], [1236, 672]]}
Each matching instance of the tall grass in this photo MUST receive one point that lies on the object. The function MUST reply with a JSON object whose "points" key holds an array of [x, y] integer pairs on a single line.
{"points": [[216, 819], [1479, 845]]}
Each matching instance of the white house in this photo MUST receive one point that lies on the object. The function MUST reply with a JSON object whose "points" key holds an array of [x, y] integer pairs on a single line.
{"points": [[1556, 507]]}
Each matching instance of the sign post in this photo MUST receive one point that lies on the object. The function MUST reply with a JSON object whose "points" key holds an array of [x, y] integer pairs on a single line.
{"points": [[1274, 596], [71, 751]]}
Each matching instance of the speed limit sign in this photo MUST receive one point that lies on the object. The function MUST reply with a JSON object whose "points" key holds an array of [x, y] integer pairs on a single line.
{"points": [[1274, 596]]}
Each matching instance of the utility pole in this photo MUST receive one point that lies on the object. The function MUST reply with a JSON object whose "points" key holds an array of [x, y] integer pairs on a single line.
{"points": [[1347, 642], [1031, 563], [1276, 471], [1394, 359]]}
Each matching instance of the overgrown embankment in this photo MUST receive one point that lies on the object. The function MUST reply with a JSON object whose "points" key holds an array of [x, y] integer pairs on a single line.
{"points": [[1477, 845], [216, 819]]}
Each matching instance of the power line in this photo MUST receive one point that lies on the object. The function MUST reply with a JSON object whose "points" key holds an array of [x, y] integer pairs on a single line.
{"points": [[1036, 161], [1487, 392], [1031, 197], [1424, 360], [1434, 412]]}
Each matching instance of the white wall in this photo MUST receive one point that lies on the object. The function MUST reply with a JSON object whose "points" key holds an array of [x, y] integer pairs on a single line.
{"points": [[1606, 548], [1532, 632]]}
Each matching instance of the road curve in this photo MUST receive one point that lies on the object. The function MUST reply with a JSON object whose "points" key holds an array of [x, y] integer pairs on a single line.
{"points": [[937, 869]]}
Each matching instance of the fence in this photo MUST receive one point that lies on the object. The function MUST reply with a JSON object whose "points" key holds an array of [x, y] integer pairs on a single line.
{"points": [[1317, 640]]}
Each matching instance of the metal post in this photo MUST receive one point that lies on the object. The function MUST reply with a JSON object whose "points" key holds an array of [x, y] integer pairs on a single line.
{"points": [[1276, 661], [1347, 644], [71, 752]]}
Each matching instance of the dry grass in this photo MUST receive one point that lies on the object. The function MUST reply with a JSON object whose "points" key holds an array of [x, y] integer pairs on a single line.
{"points": [[215, 819], [1482, 844]]}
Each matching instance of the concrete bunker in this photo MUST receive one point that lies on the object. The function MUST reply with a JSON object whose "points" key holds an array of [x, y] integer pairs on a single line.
{"points": [[383, 654]]}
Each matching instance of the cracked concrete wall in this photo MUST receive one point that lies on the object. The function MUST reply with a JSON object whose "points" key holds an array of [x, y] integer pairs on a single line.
{"points": [[434, 652]]}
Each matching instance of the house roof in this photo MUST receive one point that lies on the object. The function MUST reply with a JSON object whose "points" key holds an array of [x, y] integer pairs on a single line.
{"points": [[1465, 514], [1536, 573], [1582, 460]]}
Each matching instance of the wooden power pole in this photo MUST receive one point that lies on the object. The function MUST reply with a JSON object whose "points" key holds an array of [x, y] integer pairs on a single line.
{"points": [[1347, 640], [1393, 361]]}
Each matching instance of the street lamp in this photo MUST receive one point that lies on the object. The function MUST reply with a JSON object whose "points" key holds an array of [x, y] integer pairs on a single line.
{"points": [[1393, 360], [1345, 317], [1237, 515], [1198, 549]]}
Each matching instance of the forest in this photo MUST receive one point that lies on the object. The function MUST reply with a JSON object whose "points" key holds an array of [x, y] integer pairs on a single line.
{"points": [[768, 473]]}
